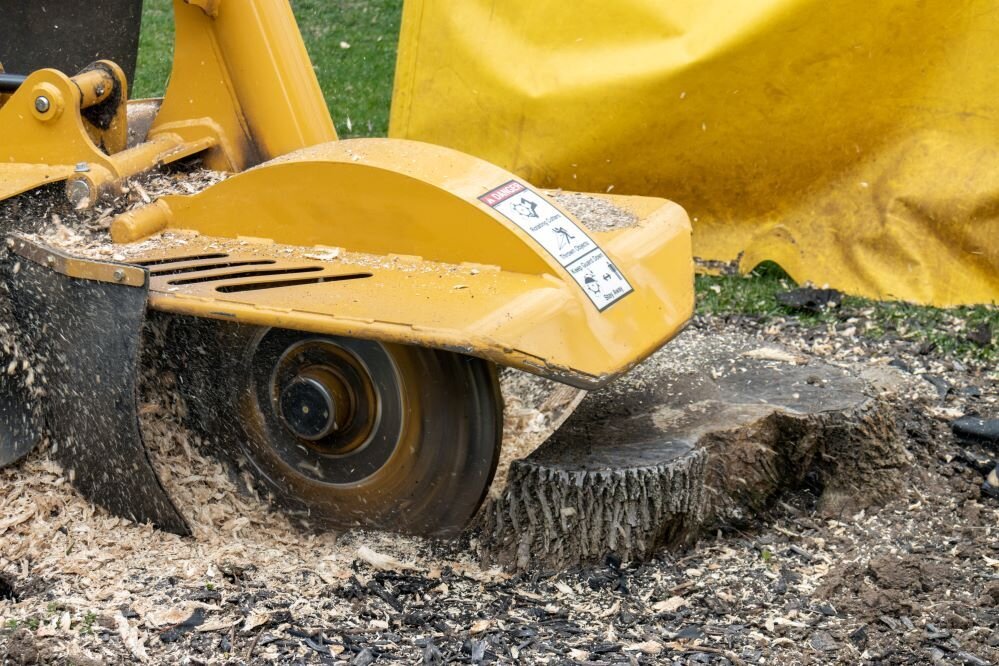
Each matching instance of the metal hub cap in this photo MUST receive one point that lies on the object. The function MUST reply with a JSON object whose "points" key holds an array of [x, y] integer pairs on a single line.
{"points": [[315, 404], [322, 396]]}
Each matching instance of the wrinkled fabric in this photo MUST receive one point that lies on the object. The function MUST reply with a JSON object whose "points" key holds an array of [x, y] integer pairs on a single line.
{"points": [[855, 143]]}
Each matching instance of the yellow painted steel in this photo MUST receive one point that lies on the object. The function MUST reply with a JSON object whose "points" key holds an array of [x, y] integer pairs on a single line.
{"points": [[43, 147], [242, 89], [34, 141], [37, 147], [95, 86], [98, 85], [76, 267], [445, 270], [241, 71], [855, 143]]}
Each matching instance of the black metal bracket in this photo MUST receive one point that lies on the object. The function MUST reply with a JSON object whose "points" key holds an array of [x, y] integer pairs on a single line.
{"points": [[88, 330], [20, 425], [11, 82]]}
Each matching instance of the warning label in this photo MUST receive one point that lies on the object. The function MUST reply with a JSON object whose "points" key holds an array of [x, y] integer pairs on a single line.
{"points": [[600, 278], [545, 223], [563, 239]]}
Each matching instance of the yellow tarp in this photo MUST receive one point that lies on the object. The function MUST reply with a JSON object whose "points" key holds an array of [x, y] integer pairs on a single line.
{"points": [[854, 142]]}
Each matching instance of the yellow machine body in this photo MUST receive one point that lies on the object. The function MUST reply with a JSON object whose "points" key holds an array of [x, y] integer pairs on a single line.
{"points": [[380, 239], [401, 249], [852, 142]]}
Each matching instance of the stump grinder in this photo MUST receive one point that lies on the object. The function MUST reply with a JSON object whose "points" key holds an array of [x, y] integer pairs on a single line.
{"points": [[343, 305]]}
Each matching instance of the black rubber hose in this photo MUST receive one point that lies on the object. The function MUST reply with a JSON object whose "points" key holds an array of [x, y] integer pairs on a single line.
{"points": [[11, 82]]}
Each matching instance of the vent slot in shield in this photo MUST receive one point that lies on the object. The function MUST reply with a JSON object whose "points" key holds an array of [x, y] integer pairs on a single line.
{"points": [[162, 272], [247, 274], [177, 260], [276, 284]]}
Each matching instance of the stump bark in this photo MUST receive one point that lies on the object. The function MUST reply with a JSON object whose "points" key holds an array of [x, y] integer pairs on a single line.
{"points": [[708, 431]]}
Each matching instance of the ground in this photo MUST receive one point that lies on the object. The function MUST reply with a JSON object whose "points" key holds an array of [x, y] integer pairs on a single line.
{"points": [[914, 582]]}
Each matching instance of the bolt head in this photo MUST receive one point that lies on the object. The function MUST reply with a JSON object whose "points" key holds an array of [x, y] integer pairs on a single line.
{"points": [[42, 104], [119, 275], [78, 191]]}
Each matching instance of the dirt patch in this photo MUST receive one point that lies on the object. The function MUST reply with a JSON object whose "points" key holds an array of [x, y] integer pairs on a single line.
{"points": [[888, 583]]}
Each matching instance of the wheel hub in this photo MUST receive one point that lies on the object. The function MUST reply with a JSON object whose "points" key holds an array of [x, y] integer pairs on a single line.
{"points": [[315, 404], [323, 396]]}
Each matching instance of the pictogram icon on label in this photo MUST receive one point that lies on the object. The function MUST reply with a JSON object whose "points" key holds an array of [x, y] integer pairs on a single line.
{"points": [[599, 278], [595, 273]]}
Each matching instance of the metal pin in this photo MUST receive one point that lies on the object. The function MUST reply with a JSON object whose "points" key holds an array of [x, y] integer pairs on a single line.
{"points": [[78, 192]]}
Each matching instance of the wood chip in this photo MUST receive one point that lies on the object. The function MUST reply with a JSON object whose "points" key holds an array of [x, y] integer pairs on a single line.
{"points": [[130, 637], [382, 562]]}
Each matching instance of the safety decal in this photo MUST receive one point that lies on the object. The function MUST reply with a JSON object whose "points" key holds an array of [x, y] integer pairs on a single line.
{"points": [[563, 239]]}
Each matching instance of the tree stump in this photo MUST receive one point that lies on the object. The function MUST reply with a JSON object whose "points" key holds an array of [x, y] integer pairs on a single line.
{"points": [[533, 409], [709, 430]]}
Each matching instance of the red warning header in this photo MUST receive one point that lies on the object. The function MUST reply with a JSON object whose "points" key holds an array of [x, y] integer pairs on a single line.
{"points": [[502, 193]]}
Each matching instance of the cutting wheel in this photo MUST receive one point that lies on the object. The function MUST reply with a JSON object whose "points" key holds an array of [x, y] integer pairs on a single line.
{"points": [[350, 433]]}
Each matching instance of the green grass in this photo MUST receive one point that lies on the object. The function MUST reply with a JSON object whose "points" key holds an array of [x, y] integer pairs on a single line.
{"points": [[87, 627], [945, 329], [155, 49], [357, 82], [352, 45]]}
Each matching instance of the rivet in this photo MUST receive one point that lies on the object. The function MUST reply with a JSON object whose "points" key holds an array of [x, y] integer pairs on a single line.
{"points": [[119, 275]]}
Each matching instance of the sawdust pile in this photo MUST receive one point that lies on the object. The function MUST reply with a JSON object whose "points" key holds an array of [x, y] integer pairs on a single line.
{"points": [[912, 583], [596, 214], [86, 232], [107, 571]]}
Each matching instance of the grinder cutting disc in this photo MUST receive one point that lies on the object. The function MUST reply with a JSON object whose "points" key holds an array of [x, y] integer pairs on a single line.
{"points": [[345, 432]]}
